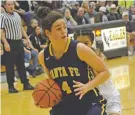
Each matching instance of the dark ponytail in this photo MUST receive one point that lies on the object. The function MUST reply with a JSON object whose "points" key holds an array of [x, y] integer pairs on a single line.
{"points": [[47, 17]]}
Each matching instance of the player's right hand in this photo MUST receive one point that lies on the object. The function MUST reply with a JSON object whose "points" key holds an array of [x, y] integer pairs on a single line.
{"points": [[7, 47]]}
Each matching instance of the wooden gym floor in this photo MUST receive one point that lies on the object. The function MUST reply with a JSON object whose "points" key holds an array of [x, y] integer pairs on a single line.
{"points": [[123, 75]]}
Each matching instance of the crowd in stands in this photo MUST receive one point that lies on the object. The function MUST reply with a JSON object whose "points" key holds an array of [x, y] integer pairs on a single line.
{"points": [[75, 13]]}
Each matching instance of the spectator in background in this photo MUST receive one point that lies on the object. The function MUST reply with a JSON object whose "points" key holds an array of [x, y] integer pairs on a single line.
{"points": [[37, 40], [33, 25], [130, 31], [80, 18], [74, 10], [85, 5], [90, 15], [113, 15], [68, 18], [108, 5], [93, 5], [103, 18], [100, 3], [132, 13], [30, 54], [125, 17]]}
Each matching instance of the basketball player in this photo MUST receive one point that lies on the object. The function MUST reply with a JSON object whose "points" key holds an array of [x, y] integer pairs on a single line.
{"points": [[66, 61], [107, 89]]}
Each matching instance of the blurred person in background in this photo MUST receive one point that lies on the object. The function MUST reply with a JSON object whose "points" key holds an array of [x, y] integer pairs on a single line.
{"points": [[108, 5], [132, 13], [90, 15], [74, 10], [80, 18], [113, 15], [99, 4], [130, 31], [32, 26], [85, 5], [103, 17], [37, 39], [30, 55], [68, 18]]}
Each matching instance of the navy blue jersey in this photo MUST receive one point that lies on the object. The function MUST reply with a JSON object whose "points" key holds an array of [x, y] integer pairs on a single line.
{"points": [[66, 69]]}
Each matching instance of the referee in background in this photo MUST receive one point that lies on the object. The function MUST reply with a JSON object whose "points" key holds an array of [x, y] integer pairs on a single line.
{"points": [[12, 31]]}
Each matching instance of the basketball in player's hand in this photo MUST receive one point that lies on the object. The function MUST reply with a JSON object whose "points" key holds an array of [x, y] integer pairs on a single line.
{"points": [[47, 94]]}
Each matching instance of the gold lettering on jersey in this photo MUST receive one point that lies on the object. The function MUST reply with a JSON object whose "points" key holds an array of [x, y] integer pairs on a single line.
{"points": [[62, 72], [76, 72], [71, 71], [52, 73], [56, 73]]}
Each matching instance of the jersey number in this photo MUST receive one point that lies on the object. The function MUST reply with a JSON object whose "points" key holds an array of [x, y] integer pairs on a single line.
{"points": [[66, 87]]}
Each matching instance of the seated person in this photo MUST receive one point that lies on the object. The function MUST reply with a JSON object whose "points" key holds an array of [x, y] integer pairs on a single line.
{"points": [[30, 54], [113, 15], [37, 40], [33, 25], [131, 32], [103, 17], [80, 18], [68, 18]]}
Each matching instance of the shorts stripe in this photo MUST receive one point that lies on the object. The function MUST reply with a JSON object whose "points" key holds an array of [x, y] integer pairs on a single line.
{"points": [[103, 109]]}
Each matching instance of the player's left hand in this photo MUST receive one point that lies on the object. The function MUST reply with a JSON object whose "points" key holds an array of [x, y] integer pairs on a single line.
{"points": [[80, 89]]}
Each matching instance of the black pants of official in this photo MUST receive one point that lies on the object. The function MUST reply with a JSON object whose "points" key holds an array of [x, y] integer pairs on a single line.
{"points": [[15, 57]]}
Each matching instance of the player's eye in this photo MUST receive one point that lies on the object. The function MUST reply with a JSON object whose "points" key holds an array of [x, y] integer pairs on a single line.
{"points": [[86, 43], [58, 29]]}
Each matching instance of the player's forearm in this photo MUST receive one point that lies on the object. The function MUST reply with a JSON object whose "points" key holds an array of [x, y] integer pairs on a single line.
{"points": [[99, 79]]}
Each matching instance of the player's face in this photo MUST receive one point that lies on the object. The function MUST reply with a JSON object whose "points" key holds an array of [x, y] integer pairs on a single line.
{"points": [[58, 30], [9, 6], [85, 40]]}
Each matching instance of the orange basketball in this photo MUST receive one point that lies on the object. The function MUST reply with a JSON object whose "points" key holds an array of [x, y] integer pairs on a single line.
{"points": [[47, 93]]}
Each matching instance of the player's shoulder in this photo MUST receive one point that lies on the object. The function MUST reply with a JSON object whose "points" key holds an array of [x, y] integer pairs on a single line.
{"points": [[82, 47]]}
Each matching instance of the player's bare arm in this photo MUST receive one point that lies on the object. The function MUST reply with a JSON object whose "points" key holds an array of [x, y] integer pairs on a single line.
{"points": [[41, 61], [87, 55]]}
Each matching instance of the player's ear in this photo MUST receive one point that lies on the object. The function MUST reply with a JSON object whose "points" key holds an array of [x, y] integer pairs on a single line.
{"points": [[47, 33]]}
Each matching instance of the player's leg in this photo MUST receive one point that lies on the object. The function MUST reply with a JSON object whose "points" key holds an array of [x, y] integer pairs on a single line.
{"points": [[97, 109], [113, 106]]}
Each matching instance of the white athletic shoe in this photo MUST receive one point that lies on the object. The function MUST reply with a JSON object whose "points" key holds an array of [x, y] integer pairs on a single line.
{"points": [[26, 64]]}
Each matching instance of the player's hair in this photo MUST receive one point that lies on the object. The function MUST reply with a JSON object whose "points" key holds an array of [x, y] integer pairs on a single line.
{"points": [[88, 33], [48, 17]]}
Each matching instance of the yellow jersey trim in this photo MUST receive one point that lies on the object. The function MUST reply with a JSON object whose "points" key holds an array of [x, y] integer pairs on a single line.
{"points": [[50, 50], [50, 47]]}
